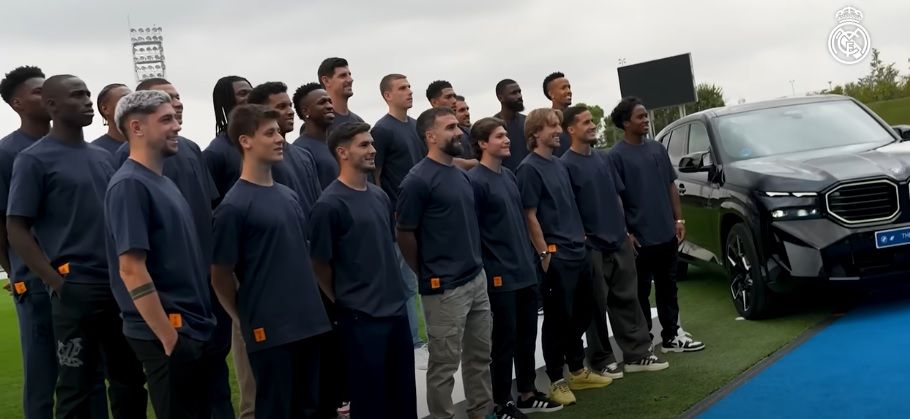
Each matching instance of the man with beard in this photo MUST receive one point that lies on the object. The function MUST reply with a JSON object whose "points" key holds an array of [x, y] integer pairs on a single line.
{"points": [[439, 237], [353, 250], [56, 199], [188, 171], [297, 170], [597, 187], [398, 149], [314, 107], [441, 94], [557, 89], [335, 76], [654, 219], [463, 113], [158, 270], [107, 103], [508, 92], [558, 237], [260, 228]]}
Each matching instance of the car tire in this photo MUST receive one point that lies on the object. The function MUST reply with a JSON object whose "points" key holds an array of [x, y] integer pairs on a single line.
{"points": [[748, 286]]}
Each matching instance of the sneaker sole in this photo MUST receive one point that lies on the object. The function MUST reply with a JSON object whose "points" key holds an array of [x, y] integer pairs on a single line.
{"points": [[648, 368], [680, 350], [588, 386], [541, 409]]}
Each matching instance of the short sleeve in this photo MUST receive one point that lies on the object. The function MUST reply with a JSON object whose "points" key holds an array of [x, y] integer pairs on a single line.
{"points": [[530, 186], [126, 211], [480, 195], [617, 181], [208, 183], [228, 226], [411, 202], [381, 139], [6, 172], [26, 187], [320, 231], [384, 198]]}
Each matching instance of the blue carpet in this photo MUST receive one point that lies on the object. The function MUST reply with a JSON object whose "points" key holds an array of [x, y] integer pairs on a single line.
{"points": [[857, 367]]}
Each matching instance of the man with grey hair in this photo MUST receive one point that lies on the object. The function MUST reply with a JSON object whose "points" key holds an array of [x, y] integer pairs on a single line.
{"points": [[158, 273]]}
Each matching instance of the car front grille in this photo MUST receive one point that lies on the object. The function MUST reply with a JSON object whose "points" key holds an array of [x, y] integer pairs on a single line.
{"points": [[864, 202]]}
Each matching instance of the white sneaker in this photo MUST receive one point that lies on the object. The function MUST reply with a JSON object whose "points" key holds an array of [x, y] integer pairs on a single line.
{"points": [[421, 357], [683, 342]]}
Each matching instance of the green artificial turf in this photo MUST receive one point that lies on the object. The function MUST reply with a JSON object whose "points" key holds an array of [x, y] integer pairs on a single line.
{"points": [[894, 112], [732, 347]]}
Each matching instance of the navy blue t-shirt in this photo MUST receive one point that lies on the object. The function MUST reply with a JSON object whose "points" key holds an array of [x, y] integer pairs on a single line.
{"points": [[326, 165], [544, 185], [108, 143], [565, 143], [467, 152], [437, 204], [146, 211], [224, 163], [10, 146], [353, 232], [61, 187], [262, 232], [298, 171], [187, 170], [508, 257], [597, 187], [398, 149], [341, 119], [518, 145], [647, 173]]}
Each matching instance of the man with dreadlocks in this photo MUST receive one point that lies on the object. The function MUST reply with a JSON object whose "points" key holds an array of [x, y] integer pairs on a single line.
{"points": [[107, 102], [222, 158], [314, 107]]}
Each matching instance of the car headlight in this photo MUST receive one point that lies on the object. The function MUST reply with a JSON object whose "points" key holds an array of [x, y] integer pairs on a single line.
{"points": [[795, 213], [790, 194]]}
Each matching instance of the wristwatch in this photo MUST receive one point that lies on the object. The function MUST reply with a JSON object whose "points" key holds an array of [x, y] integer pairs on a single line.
{"points": [[543, 254], [681, 222]]}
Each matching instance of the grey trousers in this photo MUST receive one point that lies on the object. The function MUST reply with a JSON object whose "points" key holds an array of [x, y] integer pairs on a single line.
{"points": [[616, 294], [459, 327]]}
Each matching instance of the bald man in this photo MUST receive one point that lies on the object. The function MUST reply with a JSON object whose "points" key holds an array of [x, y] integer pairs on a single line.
{"points": [[57, 192]]}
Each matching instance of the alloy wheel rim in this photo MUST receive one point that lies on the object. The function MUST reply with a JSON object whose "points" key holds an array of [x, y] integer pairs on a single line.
{"points": [[741, 281]]}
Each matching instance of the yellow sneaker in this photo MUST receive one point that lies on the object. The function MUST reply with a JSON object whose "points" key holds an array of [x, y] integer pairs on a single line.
{"points": [[587, 379], [560, 393]]}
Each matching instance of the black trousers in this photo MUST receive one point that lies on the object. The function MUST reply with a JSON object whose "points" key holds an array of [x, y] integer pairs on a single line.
{"points": [[219, 345], [616, 293], [177, 381], [333, 389], [287, 380], [568, 305], [514, 340], [380, 367], [89, 332], [658, 262]]}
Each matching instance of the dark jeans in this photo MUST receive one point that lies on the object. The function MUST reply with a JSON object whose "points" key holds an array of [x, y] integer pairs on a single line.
{"points": [[514, 339], [380, 368], [332, 385], [287, 379], [568, 306], [616, 293], [658, 262], [220, 346], [89, 332], [177, 381], [39, 353]]}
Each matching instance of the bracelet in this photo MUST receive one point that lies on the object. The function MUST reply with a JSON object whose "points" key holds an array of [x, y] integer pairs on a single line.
{"points": [[681, 222], [543, 255]]}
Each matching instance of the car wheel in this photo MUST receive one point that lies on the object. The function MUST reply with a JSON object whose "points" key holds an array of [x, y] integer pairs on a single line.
{"points": [[751, 295]]}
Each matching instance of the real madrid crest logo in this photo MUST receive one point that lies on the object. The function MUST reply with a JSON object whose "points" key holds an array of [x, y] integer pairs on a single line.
{"points": [[849, 42]]}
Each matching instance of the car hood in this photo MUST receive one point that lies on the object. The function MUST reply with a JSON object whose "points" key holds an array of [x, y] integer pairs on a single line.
{"points": [[817, 169]]}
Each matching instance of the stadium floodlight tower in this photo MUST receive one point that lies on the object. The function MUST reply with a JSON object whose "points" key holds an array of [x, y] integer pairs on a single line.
{"points": [[148, 52]]}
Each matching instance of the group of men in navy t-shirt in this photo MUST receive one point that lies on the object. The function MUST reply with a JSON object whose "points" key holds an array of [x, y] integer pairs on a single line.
{"points": [[137, 257]]}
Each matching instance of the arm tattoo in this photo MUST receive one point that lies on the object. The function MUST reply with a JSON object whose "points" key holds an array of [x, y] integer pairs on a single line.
{"points": [[142, 291]]}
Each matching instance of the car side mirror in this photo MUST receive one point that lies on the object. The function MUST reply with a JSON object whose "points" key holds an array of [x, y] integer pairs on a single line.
{"points": [[903, 131], [696, 162]]}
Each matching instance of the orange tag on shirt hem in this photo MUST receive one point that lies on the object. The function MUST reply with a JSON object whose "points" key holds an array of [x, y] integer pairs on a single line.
{"points": [[434, 283], [20, 288], [497, 281], [63, 269], [176, 320], [259, 334], [551, 248]]}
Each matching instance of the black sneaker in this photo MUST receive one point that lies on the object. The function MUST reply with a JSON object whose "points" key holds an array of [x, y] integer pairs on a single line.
{"points": [[681, 343], [648, 363], [538, 403], [613, 371], [509, 411]]}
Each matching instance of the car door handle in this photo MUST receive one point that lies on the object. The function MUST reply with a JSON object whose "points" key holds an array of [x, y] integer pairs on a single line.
{"points": [[682, 189]]}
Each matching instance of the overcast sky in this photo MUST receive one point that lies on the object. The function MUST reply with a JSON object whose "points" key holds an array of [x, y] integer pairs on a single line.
{"points": [[752, 50]]}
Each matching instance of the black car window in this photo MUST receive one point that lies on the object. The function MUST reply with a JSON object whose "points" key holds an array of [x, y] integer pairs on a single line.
{"points": [[698, 138], [677, 146]]}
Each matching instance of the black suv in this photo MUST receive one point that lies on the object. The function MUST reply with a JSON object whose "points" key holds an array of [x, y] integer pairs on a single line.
{"points": [[793, 190]]}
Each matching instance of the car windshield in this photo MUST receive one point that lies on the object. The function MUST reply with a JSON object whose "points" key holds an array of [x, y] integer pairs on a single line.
{"points": [[796, 128]]}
